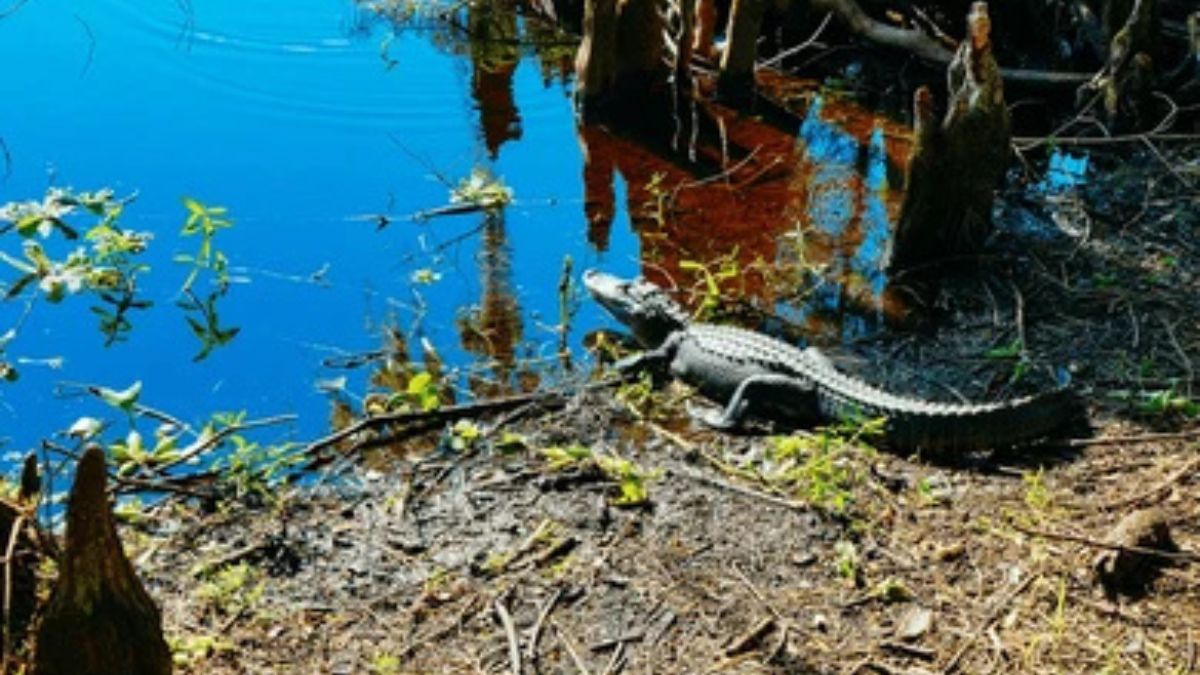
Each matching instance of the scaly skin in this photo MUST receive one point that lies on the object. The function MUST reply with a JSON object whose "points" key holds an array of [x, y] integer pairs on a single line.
{"points": [[752, 373]]}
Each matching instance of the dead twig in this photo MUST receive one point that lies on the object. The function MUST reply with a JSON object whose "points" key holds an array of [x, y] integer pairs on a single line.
{"points": [[13, 535], [1133, 438], [1180, 556], [750, 639], [991, 618], [514, 645], [792, 51], [745, 492], [1157, 489], [446, 414], [535, 633], [566, 643]]}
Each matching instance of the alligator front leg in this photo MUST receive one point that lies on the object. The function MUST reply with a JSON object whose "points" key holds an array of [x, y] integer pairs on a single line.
{"points": [[656, 361], [764, 391]]}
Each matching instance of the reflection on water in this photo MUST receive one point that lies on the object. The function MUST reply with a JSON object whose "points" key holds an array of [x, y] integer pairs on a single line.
{"points": [[292, 120], [792, 201]]}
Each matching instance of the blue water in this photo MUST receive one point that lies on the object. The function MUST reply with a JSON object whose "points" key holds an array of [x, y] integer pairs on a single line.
{"points": [[285, 115], [306, 121]]}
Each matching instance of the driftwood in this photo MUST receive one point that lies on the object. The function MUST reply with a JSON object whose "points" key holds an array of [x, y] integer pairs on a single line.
{"points": [[955, 165], [99, 620], [1130, 567]]}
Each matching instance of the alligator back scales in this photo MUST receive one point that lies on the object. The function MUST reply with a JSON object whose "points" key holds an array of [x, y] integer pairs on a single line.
{"points": [[716, 359]]}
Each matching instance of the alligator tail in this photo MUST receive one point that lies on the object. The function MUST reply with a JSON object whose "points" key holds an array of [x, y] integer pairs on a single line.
{"points": [[938, 428], [913, 424]]}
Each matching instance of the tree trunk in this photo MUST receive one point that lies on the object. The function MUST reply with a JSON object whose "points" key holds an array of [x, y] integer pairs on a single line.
{"points": [[736, 81], [99, 620], [955, 166], [596, 60]]}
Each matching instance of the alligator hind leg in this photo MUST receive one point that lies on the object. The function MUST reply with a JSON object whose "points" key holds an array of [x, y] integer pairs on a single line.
{"points": [[766, 392]]}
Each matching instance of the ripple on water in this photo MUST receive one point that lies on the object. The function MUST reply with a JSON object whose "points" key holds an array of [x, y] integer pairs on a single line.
{"points": [[318, 60]]}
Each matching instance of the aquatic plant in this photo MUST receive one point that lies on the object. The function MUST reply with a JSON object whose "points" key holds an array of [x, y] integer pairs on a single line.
{"points": [[482, 190], [107, 267], [108, 264]]}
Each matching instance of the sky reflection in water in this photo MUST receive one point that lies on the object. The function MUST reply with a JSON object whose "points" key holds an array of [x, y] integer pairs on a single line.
{"points": [[306, 122]]}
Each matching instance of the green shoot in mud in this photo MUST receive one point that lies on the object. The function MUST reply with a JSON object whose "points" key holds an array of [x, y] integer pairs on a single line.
{"points": [[632, 481], [847, 563], [232, 589], [189, 650], [824, 469], [385, 663], [1159, 403]]}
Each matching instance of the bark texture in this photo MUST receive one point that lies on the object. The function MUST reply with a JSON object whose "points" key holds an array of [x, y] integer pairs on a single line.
{"points": [[955, 165], [99, 620]]}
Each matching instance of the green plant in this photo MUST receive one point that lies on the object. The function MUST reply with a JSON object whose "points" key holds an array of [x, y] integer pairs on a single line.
{"points": [[846, 564], [422, 391], [230, 589], [632, 480], [385, 663], [1164, 402], [1015, 352], [481, 190], [205, 221], [823, 468], [1037, 495], [107, 268], [248, 469], [892, 590], [189, 650], [727, 267]]}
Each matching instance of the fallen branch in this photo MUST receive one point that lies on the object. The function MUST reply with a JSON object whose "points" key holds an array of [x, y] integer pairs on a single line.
{"points": [[928, 49]]}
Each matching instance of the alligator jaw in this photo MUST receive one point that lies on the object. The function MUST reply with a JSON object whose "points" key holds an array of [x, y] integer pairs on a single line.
{"points": [[649, 313]]}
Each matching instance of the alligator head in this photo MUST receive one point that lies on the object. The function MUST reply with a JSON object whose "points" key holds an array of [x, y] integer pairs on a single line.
{"points": [[646, 309]]}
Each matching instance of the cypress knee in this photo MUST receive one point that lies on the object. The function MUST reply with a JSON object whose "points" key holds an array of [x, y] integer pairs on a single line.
{"points": [[100, 620], [956, 164]]}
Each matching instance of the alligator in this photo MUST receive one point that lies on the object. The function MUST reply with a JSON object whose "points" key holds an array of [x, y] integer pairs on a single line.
{"points": [[753, 374]]}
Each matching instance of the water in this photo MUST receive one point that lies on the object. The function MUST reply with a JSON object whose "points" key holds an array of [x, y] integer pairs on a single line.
{"points": [[309, 121]]}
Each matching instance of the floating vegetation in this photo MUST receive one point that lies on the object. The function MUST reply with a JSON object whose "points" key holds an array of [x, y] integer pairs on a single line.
{"points": [[482, 190], [109, 263]]}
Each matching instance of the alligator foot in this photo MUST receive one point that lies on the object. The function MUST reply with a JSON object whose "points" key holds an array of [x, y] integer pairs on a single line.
{"points": [[713, 418]]}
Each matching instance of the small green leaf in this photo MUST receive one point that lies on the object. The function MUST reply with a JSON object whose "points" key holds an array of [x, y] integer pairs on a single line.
{"points": [[125, 399]]}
